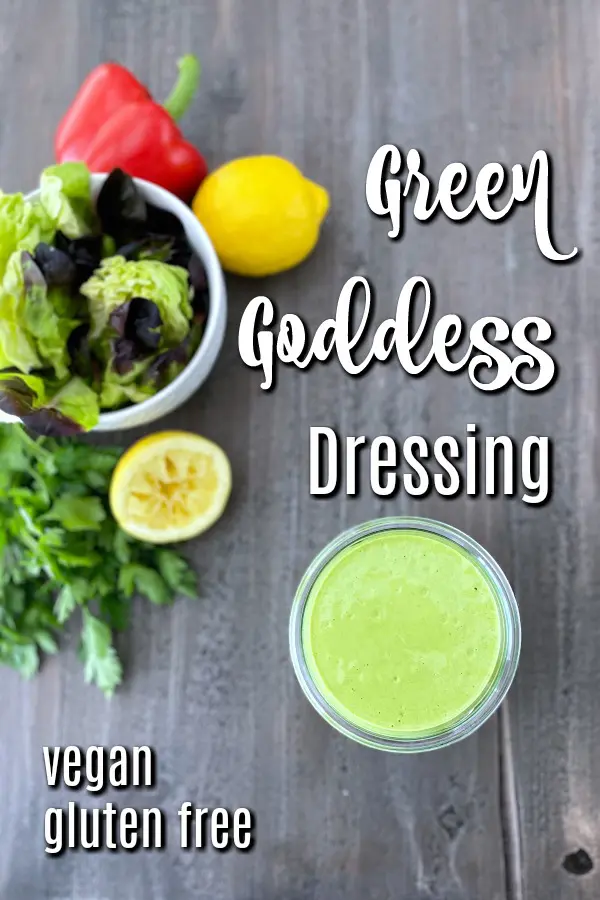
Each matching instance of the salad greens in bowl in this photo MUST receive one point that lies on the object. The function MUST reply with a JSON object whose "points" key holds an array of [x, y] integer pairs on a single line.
{"points": [[112, 302]]}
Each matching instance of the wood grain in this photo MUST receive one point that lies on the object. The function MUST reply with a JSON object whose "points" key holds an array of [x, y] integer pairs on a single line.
{"points": [[209, 685]]}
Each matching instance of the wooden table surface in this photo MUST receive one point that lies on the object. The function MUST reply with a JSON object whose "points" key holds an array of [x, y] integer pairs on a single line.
{"points": [[209, 685]]}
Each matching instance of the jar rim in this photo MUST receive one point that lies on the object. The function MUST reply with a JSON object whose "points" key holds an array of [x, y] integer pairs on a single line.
{"points": [[474, 716]]}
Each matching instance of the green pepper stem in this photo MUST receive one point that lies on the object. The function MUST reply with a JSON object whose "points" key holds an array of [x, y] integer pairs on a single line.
{"points": [[187, 83]]}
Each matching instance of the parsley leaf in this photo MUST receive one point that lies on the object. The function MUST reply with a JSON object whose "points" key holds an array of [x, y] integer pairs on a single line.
{"points": [[134, 578], [77, 513], [121, 547], [69, 597], [177, 573], [22, 657], [115, 611], [63, 555], [101, 663]]}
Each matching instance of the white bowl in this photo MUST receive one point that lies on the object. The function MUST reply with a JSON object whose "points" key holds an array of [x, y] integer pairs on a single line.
{"points": [[197, 370]]}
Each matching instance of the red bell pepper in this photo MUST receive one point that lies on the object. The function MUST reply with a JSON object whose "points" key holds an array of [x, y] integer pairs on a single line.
{"points": [[114, 123]]}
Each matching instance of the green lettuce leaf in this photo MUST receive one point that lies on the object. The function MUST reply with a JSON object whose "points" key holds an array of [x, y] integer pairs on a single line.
{"points": [[17, 347], [66, 199], [21, 394], [49, 407], [77, 402], [118, 281], [119, 390], [22, 226], [74, 178], [42, 321], [33, 330]]}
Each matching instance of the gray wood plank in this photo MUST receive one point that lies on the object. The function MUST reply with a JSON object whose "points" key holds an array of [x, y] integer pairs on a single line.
{"points": [[209, 685], [555, 718]]}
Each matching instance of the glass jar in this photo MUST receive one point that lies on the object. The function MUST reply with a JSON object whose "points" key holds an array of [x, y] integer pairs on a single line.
{"points": [[510, 640]]}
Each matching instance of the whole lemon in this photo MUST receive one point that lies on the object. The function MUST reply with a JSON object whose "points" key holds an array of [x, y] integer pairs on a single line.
{"points": [[262, 215]]}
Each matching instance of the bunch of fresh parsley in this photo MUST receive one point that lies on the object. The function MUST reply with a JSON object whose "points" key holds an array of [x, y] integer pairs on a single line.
{"points": [[62, 553]]}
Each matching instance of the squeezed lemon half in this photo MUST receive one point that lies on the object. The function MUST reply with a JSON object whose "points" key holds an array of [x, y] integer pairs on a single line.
{"points": [[170, 486]]}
